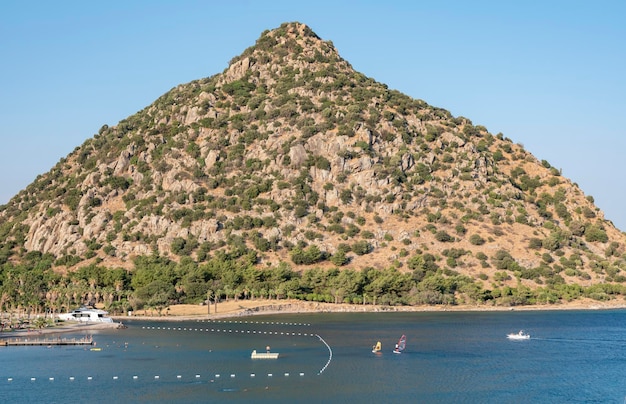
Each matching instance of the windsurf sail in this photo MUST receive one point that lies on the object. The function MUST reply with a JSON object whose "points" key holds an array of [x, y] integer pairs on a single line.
{"points": [[377, 347], [401, 343]]}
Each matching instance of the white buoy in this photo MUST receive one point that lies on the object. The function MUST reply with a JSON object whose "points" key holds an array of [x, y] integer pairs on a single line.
{"points": [[135, 377], [232, 376], [89, 377], [114, 377], [71, 377], [197, 376], [33, 379], [301, 373], [156, 377], [51, 379], [10, 379], [269, 375], [252, 375], [178, 376], [286, 374]]}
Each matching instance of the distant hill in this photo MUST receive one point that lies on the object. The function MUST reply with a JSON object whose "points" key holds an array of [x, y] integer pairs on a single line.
{"points": [[291, 157]]}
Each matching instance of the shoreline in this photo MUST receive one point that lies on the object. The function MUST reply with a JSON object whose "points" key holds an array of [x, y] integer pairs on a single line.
{"points": [[273, 307], [247, 308]]}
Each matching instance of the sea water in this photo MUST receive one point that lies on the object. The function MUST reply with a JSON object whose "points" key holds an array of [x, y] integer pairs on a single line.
{"points": [[572, 356]]}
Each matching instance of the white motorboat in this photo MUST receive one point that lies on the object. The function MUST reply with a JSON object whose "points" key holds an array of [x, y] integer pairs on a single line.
{"points": [[87, 315], [518, 335]]}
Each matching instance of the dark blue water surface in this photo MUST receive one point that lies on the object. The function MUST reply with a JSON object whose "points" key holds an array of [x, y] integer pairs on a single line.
{"points": [[573, 356]]}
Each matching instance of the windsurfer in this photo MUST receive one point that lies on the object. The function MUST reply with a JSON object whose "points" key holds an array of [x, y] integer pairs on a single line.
{"points": [[376, 348], [400, 345]]}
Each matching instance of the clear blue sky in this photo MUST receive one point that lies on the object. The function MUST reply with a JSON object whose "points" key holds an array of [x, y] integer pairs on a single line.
{"points": [[550, 75]]}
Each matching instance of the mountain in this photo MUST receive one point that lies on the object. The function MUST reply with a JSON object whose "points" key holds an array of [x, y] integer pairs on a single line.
{"points": [[291, 156]]}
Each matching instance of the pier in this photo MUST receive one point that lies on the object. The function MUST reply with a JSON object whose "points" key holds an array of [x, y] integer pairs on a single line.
{"points": [[46, 341]]}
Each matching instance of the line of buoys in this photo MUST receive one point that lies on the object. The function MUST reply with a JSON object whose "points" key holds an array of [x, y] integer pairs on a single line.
{"points": [[265, 332], [330, 354], [156, 377], [255, 322]]}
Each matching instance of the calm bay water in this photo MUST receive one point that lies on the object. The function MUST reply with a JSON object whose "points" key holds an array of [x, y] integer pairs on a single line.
{"points": [[573, 356]]}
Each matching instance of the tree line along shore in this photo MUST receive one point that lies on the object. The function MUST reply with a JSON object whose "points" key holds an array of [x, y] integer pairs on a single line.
{"points": [[157, 284]]}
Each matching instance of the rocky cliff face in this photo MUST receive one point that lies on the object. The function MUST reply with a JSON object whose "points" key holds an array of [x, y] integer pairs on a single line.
{"points": [[290, 148]]}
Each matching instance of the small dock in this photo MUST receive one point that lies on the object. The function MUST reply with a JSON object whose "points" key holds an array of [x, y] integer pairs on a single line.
{"points": [[264, 355], [46, 341]]}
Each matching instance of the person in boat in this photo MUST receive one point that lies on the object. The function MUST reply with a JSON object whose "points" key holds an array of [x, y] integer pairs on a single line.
{"points": [[267, 349]]}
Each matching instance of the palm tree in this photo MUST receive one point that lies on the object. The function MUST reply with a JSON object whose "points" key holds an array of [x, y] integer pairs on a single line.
{"points": [[227, 290], [118, 287], [209, 294], [218, 294]]}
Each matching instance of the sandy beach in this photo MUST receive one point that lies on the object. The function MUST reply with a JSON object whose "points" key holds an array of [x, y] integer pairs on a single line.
{"points": [[240, 308], [236, 308]]}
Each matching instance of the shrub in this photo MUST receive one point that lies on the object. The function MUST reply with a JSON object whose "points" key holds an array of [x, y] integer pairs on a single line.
{"points": [[501, 276], [535, 243], [595, 233], [346, 196], [361, 247], [339, 258], [588, 213], [367, 235], [309, 256], [444, 237], [481, 256], [476, 239], [503, 260], [460, 229]]}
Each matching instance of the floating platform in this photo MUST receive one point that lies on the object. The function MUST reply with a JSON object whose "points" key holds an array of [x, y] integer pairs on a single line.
{"points": [[46, 341], [264, 355]]}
